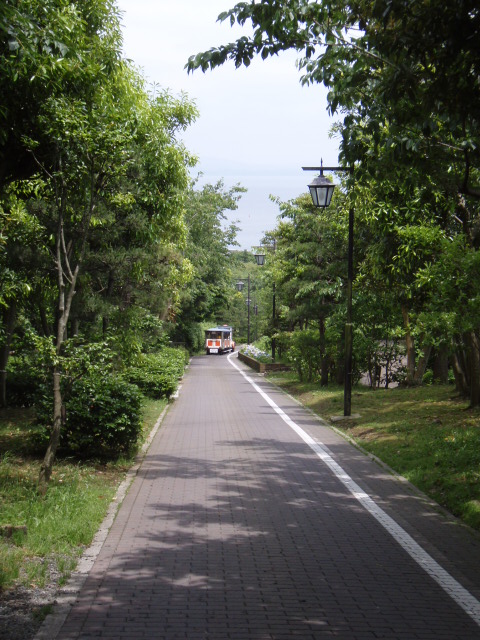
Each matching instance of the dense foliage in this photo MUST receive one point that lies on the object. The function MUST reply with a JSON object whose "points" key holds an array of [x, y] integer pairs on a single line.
{"points": [[109, 251], [403, 77], [100, 226]]}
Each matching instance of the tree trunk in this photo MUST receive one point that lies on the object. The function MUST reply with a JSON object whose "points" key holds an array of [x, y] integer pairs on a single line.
{"points": [[324, 361], [474, 359], [64, 312], [65, 298], [388, 358], [459, 371], [410, 347], [42, 314], [440, 366], [9, 316], [75, 327], [47, 464], [371, 371], [422, 365], [340, 370]]}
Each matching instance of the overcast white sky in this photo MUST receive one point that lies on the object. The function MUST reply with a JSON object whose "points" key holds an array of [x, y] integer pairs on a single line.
{"points": [[257, 126]]}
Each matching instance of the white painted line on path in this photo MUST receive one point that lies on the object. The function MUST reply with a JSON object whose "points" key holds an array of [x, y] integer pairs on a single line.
{"points": [[447, 582]]}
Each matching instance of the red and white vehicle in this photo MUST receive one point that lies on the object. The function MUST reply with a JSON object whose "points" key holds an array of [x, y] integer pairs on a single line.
{"points": [[219, 339]]}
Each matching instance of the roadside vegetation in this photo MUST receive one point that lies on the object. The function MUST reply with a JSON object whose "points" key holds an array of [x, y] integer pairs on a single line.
{"points": [[42, 538], [427, 434], [109, 250], [408, 129]]}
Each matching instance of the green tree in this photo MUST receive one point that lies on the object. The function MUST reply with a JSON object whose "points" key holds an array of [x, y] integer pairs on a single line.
{"points": [[136, 255], [22, 254], [450, 315], [92, 185], [90, 137], [403, 75], [210, 237], [410, 65]]}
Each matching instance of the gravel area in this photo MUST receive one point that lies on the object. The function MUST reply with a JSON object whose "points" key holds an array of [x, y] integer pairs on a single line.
{"points": [[22, 611]]}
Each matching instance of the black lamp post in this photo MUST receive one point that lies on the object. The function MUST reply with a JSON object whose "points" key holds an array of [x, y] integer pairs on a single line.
{"points": [[260, 258], [321, 190], [239, 287], [255, 313]]}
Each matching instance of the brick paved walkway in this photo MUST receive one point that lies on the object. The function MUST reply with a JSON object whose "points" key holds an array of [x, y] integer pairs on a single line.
{"points": [[233, 528]]}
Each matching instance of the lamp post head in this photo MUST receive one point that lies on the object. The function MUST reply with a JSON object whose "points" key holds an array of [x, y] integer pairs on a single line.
{"points": [[260, 258], [321, 191], [239, 285]]}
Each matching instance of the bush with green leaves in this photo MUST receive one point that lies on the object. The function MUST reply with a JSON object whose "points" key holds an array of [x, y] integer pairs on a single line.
{"points": [[381, 359], [102, 417], [191, 334], [157, 374], [304, 354], [22, 383], [28, 366], [264, 344]]}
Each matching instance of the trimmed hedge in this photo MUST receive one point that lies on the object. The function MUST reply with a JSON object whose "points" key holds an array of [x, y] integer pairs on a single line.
{"points": [[157, 374]]}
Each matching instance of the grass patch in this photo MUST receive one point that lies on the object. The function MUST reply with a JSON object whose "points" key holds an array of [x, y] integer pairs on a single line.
{"points": [[427, 434], [62, 524], [151, 411]]}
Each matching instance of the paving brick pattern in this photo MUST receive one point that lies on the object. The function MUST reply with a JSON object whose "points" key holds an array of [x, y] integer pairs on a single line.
{"points": [[234, 529]]}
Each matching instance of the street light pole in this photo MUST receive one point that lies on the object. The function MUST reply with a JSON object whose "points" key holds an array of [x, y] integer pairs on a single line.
{"points": [[274, 341], [321, 191], [248, 310], [239, 286], [260, 258], [347, 399]]}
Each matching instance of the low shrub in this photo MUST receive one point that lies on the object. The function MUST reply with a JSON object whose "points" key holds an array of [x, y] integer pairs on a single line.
{"points": [[304, 353], [21, 387], [157, 374], [103, 417], [428, 377]]}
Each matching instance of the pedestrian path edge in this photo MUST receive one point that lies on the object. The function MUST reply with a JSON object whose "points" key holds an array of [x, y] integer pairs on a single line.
{"points": [[66, 596]]}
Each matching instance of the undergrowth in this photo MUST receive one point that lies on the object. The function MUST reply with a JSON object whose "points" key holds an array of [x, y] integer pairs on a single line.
{"points": [[42, 537]]}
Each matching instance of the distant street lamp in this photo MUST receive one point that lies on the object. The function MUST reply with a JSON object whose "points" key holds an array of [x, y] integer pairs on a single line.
{"points": [[260, 258], [321, 191]]}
